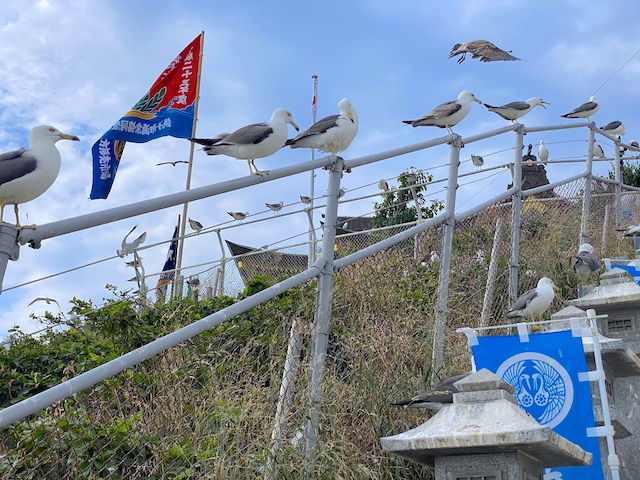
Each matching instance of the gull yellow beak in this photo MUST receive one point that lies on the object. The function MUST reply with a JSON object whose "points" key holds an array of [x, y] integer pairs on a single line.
{"points": [[66, 136]]}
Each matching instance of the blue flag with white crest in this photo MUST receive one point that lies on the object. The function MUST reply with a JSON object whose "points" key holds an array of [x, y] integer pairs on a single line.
{"points": [[544, 370]]}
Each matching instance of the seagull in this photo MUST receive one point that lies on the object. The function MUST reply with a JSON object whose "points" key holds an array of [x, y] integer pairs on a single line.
{"points": [[482, 49], [514, 110], [597, 151], [633, 230], [47, 300], [437, 397], [585, 110], [195, 225], [477, 160], [614, 128], [533, 303], [383, 185], [448, 114], [239, 215], [252, 141], [331, 134], [128, 248], [306, 200], [585, 262], [27, 173], [543, 153], [275, 207], [171, 163], [193, 282], [410, 178]]}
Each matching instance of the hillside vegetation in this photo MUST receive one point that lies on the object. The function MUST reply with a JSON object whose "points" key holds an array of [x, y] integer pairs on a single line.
{"points": [[205, 409]]}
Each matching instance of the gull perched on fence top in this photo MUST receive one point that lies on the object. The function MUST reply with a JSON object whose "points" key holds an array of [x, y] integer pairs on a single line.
{"points": [[615, 128], [437, 397], [514, 110], [239, 215], [258, 140], [482, 49], [585, 262], [543, 153], [27, 173], [585, 110], [195, 225], [275, 207], [447, 114], [533, 303], [129, 247], [597, 151], [331, 134]]}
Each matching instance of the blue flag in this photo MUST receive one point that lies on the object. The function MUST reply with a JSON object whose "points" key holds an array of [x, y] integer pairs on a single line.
{"points": [[169, 269], [166, 109], [544, 372]]}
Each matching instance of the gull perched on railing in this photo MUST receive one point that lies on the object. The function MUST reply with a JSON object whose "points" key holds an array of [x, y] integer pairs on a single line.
{"points": [[543, 153], [195, 225], [239, 215], [533, 303], [27, 173], [331, 134], [254, 141], [129, 247], [615, 128], [447, 114], [585, 110], [514, 110], [482, 49], [275, 207]]}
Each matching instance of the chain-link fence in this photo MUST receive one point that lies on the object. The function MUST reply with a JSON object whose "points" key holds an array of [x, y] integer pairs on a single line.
{"points": [[233, 402]]}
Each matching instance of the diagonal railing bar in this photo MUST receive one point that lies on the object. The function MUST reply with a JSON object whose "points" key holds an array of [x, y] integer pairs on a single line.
{"points": [[85, 380]]}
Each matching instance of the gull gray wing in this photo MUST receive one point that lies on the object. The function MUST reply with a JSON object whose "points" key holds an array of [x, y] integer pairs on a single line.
{"points": [[524, 299], [587, 259], [321, 126], [585, 107], [16, 164], [445, 110], [516, 105], [251, 134]]}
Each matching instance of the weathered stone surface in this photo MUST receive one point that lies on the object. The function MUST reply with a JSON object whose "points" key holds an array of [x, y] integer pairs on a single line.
{"points": [[469, 427]]}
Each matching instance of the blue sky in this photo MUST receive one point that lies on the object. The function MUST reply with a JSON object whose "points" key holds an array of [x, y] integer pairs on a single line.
{"points": [[80, 65]]}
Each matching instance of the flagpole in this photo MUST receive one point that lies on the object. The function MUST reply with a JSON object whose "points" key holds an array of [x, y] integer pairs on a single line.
{"points": [[183, 220], [312, 236]]}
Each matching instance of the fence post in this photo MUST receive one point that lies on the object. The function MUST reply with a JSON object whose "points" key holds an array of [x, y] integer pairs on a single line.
{"points": [[445, 258], [617, 166], [516, 205], [586, 196], [323, 313]]}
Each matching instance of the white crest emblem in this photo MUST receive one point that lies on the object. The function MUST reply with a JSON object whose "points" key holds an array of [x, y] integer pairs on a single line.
{"points": [[543, 386]]}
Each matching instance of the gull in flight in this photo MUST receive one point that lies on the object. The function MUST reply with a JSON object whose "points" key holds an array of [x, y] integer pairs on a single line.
{"points": [[482, 49], [129, 247]]}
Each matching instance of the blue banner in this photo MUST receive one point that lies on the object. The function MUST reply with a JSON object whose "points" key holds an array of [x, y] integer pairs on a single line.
{"points": [[544, 372]]}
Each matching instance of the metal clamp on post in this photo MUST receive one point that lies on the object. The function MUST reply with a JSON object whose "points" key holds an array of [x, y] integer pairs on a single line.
{"points": [[9, 248]]}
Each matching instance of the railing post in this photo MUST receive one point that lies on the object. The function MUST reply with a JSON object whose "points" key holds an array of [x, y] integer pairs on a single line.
{"points": [[586, 196], [9, 248], [323, 313], [516, 205], [445, 258]]}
